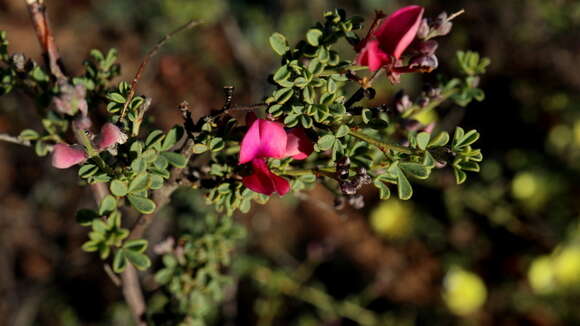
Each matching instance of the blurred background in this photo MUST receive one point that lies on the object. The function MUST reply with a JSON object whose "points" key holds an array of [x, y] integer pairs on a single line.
{"points": [[502, 249]]}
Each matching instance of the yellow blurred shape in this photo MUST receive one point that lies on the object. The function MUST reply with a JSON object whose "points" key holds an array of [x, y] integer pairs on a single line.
{"points": [[392, 218], [541, 275], [525, 185], [464, 292], [426, 117], [577, 133], [567, 266]]}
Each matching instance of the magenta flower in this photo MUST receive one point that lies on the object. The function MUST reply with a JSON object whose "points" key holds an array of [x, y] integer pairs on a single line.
{"points": [[385, 44], [64, 156], [268, 139], [298, 145], [263, 181], [264, 139]]}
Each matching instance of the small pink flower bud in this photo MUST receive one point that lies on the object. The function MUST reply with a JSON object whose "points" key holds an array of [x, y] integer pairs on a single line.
{"points": [[110, 135], [64, 156]]}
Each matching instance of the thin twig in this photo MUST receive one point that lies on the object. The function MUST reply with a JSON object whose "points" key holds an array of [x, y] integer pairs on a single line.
{"points": [[133, 295], [37, 11], [116, 280], [151, 54], [14, 140]]}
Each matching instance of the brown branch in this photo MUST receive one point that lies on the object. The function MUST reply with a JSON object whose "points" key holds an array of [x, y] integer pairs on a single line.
{"points": [[151, 54], [37, 11], [14, 140], [133, 295]]}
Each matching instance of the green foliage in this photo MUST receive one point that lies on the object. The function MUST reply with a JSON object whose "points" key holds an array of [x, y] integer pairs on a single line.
{"points": [[193, 272]]}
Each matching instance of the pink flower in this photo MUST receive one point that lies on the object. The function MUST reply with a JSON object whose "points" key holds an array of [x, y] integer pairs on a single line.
{"points": [[263, 181], [298, 145], [266, 139], [64, 156], [391, 38], [110, 135]]}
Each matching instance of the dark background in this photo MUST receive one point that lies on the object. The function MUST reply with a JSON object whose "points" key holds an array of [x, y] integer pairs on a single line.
{"points": [[524, 204]]}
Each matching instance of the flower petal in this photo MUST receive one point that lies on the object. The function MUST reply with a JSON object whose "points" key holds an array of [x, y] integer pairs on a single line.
{"points": [[273, 138], [109, 136], [372, 56], [64, 156], [398, 30], [299, 145], [251, 143], [264, 139], [263, 181]]}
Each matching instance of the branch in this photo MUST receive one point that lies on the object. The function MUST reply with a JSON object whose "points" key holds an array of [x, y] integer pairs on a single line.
{"points": [[133, 295], [384, 147], [14, 140], [151, 54], [37, 11], [416, 109]]}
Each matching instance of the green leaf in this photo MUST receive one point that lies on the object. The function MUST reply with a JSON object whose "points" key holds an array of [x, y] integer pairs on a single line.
{"points": [[28, 134], [281, 76], [142, 204], [459, 133], [41, 148], [116, 97], [118, 188], [440, 140], [175, 159], [313, 37], [199, 148], [85, 217], [120, 261], [107, 205], [423, 140], [149, 156], [384, 191], [325, 142], [469, 166], [138, 165], [405, 191], [137, 245], [366, 115], [460, 176], [469, 138], [216, 144], [140, 182], [156, 181], [415, 169], [342, 131], [283, 95], [164, 275], [88, 170], [278, 43], [315, 67], [172, 137], [90, 246], [139, 260], [99, 226], [154, 138]]}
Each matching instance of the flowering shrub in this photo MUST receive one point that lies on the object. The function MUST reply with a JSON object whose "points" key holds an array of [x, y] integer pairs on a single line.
{"points": [[319, 124]]}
